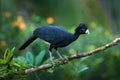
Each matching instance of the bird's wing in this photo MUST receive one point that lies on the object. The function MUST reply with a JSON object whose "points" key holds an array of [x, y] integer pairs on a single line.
{"points": [[61, 28], [53, 35]]}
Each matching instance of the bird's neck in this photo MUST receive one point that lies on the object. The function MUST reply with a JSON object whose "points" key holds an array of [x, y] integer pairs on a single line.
{"points": [[76, 35]]}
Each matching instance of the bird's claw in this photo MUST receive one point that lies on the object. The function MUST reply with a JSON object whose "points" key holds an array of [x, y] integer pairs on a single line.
{"points": [[64, 60], [53, 63]]}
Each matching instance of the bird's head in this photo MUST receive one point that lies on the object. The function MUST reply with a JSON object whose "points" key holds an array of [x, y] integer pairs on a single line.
{"points": [[82, 29]]}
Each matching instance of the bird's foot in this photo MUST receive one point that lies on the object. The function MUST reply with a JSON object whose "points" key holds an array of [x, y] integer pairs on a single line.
{"points": [[64, 60], [52, 62]]}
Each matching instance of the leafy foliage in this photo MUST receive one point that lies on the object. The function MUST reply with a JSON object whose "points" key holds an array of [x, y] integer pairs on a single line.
{"points": [[15, 66], [11, 66], [30, 58], [39, 58], [34, 61]]}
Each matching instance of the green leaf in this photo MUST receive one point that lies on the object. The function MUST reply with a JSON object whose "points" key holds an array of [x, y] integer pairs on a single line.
{"points": [[83, 59], [9, 55], [50, 70], [21, 59], [1, 61], [30, 58], [46, 61], [82, 68], [17, 65], [39, 58]]}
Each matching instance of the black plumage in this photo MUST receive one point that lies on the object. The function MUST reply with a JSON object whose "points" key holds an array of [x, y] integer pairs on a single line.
{"points": [[57, 36]]}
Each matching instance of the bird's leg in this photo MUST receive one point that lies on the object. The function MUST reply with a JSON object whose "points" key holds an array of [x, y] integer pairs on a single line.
{"points": [[51, 58], [64, 60], [61, 57]]}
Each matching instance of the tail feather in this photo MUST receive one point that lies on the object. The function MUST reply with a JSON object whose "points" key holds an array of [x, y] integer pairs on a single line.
{"points": [[29, 41]]}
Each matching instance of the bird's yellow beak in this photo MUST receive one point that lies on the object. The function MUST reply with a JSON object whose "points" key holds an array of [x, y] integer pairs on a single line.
{"points": [[87, 31]]}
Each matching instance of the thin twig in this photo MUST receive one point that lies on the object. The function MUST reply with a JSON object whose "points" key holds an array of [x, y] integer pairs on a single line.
{"points": [[76, 56]]}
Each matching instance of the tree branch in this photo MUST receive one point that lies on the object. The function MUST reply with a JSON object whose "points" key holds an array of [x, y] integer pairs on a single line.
{"points": [[76, 56]]}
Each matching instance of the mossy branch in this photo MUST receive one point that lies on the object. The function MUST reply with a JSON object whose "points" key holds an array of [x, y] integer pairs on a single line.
{"points": [[75, 56]]}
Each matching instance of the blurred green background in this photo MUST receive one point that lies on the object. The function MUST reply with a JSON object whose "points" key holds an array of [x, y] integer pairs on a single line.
{"points": [[18, 19]]}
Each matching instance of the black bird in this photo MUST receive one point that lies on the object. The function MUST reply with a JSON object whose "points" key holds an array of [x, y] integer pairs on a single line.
{"points": [[57, 36]]}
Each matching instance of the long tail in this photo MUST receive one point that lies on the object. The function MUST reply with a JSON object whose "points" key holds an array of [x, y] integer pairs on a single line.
{"points": [[30, 40]]}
